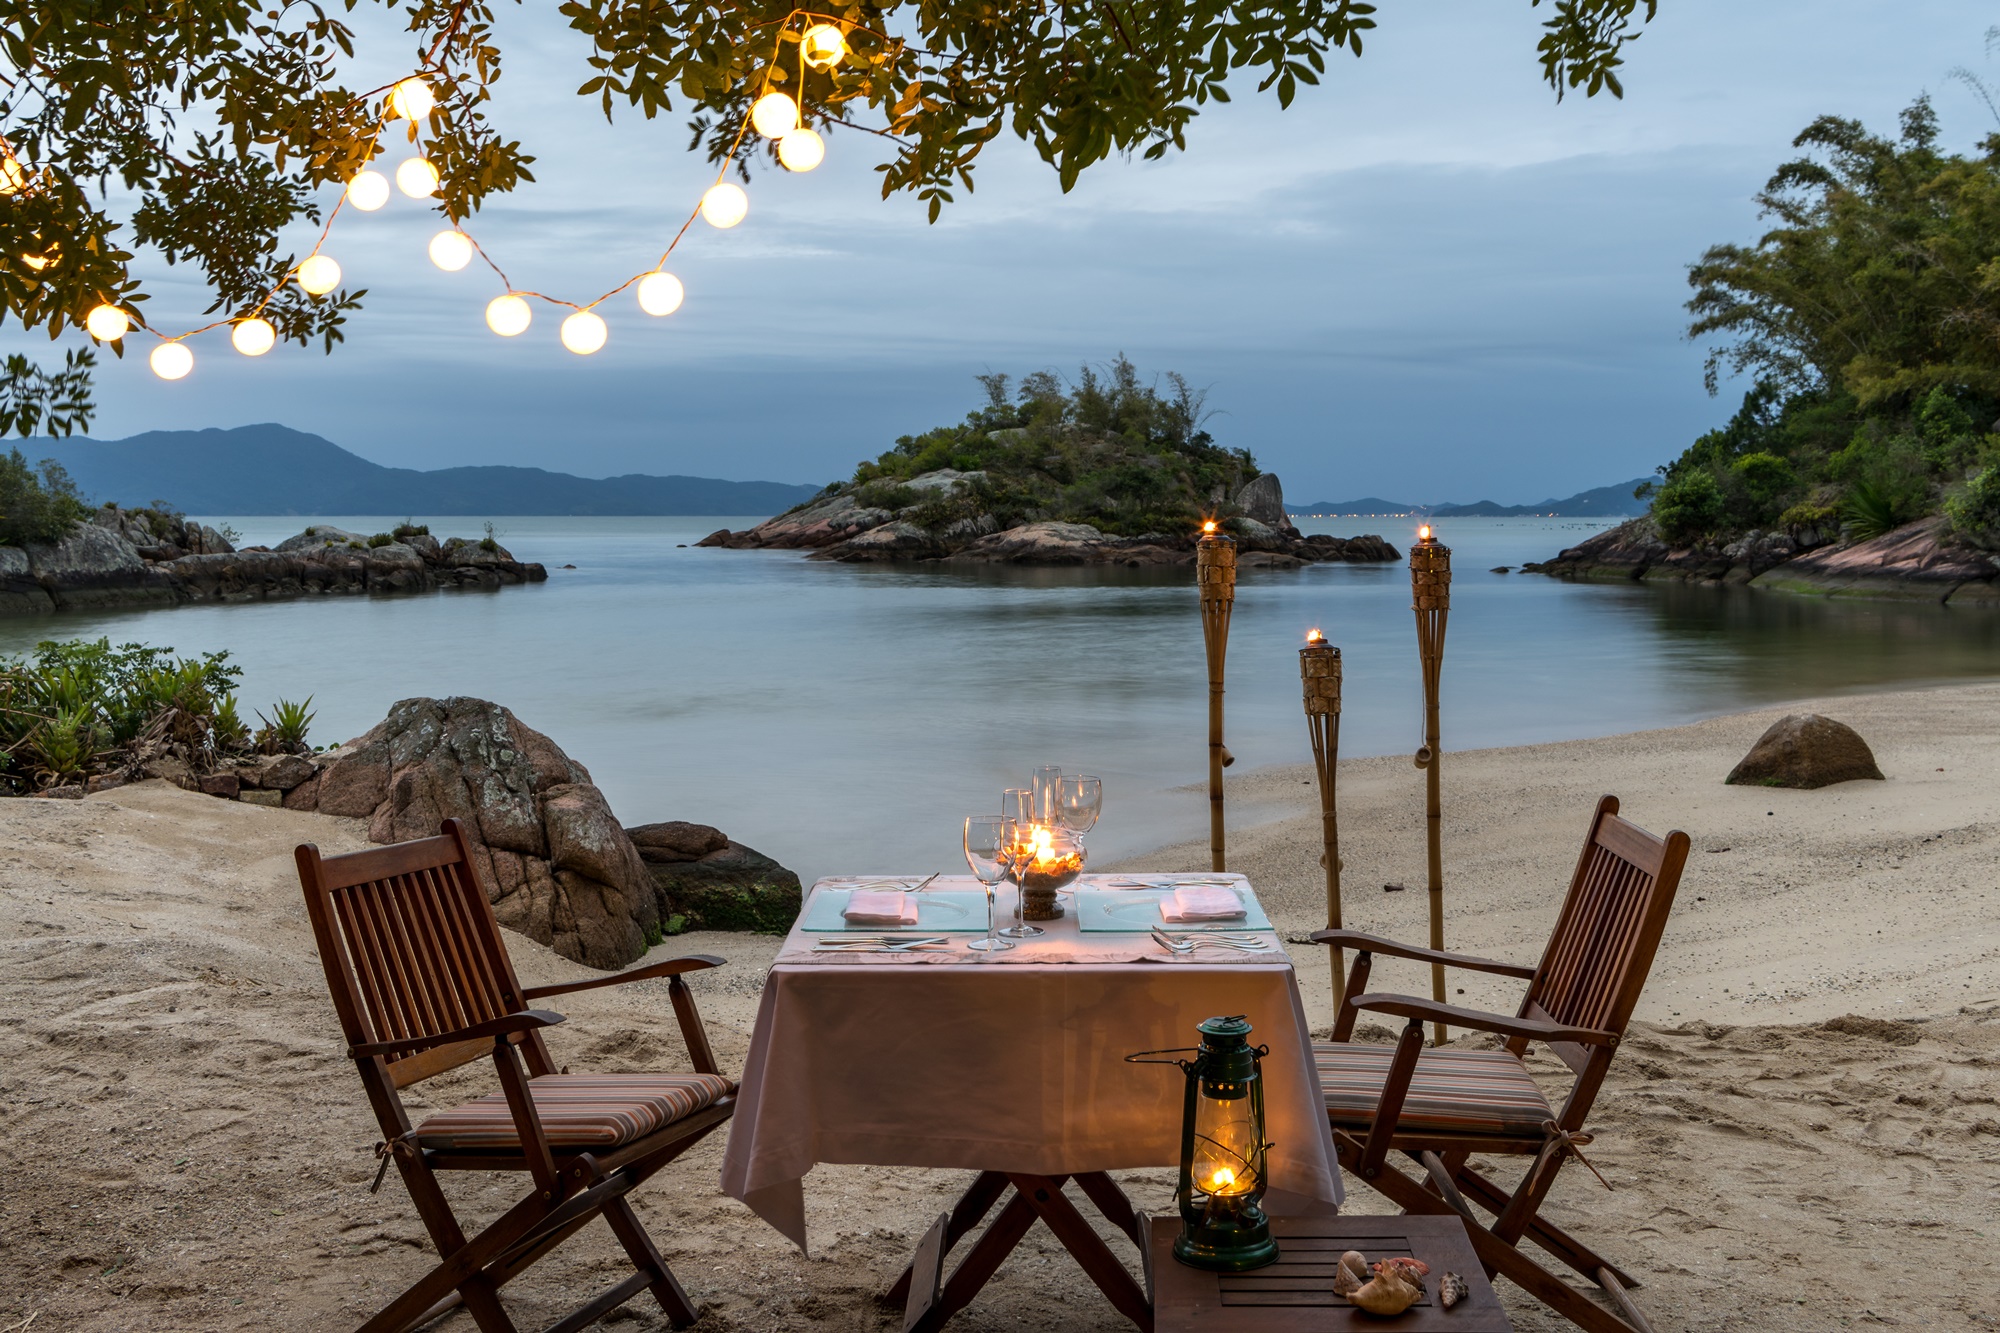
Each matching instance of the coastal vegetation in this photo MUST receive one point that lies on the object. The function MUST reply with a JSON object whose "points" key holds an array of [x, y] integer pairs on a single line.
{"points": [[81, 709], [1108, 449], [37, 504], [1869, 318]]}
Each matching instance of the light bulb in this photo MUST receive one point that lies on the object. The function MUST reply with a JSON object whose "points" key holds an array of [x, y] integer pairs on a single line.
{"points": [[823, 46], [660, 293], [253, 336], [583, 332], [368, 190], [775, 115], [724, 205], [508, 315], [417, 178], [451, 250], [170, 361], [318, 274], [801, 150], [107, 323], [412, 99]]}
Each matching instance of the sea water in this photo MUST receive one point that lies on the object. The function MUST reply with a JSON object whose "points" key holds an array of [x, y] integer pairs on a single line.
{"points": [[844, 718]]}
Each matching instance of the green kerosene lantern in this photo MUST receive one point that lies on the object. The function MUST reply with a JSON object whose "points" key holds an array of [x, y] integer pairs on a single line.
{"points": [[1221, 1194]]}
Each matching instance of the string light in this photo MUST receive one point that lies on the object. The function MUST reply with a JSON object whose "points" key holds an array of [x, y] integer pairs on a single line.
{"points": [[774, 115], [451, 250], [660, 293], [801, 150], [822, 47], [724, 205], [253, 336], [171, 361], [107, 323], [412, 99], [368, 190], [13, 180], [508, 315], [416, 177], [583, 332], [318, 274]]}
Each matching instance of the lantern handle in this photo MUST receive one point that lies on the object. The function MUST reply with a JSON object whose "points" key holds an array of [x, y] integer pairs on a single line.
{"points": [[1185, 1066]]}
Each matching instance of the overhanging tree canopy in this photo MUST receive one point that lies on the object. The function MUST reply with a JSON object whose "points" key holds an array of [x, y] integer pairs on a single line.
{"points": [[218, 122]]}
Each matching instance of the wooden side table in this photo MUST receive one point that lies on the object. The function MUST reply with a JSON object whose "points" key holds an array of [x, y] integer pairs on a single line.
{"points": [[1295, 1294]]}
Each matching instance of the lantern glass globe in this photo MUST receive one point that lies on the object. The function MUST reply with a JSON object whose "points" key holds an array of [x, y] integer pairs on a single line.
{"points": [[801, 150], [412, 99], [724, 205], [416, 177], [170, 361], [318, 274], [253, 336], [508, 315], [660, 293], [823, 46], [775, 115], [583, 332], [451, 250], [107, 323], [368, 190]]}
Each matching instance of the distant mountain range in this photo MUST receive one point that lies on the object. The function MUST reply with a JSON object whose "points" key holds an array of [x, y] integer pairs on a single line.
{"points": [[272, 469], [1601, 502]]}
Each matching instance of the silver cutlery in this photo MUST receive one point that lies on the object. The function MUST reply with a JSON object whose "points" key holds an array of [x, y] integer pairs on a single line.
{"points": [[1206, 940]]}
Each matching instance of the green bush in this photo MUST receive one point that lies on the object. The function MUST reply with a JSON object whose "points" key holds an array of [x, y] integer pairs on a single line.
{"points": [[286, 727], [409, 529], [37, 505], [1689, 507], [380, 539], [66, 706], [1974, 510]]}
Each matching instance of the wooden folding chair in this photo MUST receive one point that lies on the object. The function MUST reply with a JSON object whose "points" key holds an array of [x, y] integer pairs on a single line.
{"points": [[1439, 1107], [422, 984]]}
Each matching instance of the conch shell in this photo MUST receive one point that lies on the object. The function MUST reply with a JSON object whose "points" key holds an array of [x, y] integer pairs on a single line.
{"points": [[1397, 1285], [1452, 1290], [1352, 1275]]}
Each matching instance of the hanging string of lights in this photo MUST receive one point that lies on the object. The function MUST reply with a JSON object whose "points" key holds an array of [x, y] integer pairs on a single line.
{"points": [[773, 114]]}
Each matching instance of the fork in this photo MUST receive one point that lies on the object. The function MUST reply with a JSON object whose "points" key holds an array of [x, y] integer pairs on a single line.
{"points": [[1189, 945]]}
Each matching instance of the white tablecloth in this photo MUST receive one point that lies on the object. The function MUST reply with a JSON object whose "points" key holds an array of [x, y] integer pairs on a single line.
{"points": [[1014, 1064]]}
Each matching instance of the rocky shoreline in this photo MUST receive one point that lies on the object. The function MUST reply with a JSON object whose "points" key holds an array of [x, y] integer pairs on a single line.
{"points": [[945, 523], [122, 557], [1916, 562]]}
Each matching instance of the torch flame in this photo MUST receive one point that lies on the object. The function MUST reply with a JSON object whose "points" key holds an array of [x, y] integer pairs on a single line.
{"points": [[1208, 526], [1424, 533], [1314, 636]]}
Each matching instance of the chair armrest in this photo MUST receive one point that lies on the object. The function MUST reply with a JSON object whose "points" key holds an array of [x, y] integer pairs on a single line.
{"points": [[695, 962], [1354, 939], [1532, 1029], [525, 1021]]}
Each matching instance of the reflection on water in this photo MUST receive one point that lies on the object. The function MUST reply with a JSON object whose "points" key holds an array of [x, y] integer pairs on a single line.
{"points": [[843, 718]]}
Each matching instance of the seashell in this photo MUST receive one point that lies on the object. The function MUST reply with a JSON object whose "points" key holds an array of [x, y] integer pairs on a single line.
{"points": [[1452, 1290], [1386, 1293], [1410, 1270], [1352, 1274]]}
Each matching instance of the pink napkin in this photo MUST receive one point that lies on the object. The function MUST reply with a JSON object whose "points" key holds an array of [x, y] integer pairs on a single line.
{"points": [[1202, 903], [884, 907]]}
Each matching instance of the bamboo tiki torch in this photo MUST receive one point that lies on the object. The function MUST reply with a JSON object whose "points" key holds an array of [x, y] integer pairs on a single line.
{"points": [[1319, 674], [1215, 576], [1430, 595]]}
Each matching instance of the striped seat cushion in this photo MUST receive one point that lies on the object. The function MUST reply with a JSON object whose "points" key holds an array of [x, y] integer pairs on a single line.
{"points": [[1455, 1092], [579, 1110]]}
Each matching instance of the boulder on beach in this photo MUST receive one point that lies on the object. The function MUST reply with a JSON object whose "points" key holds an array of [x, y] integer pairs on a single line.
{"points": [[1806, 750], [711, 883]]}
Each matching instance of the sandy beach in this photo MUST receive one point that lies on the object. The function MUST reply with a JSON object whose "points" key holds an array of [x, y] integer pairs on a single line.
{"points": [[1802, 1133]]}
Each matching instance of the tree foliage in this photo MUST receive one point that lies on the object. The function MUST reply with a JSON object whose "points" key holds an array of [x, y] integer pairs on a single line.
{"points": [[1869, 319], [1106, 449], [221, 120], [36, 504]]}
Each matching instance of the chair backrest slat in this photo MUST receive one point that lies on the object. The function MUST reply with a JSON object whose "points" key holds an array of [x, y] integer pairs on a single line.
{"points": [[410, 947]]}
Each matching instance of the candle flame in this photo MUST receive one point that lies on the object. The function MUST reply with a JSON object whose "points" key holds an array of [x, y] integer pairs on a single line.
{"points": [[1424, 533]]}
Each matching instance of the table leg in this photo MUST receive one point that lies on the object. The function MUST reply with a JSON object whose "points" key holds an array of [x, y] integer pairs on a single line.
{"points": [[978, 1266], [1103, 1191], [1090, 1252], [967, 1213]]}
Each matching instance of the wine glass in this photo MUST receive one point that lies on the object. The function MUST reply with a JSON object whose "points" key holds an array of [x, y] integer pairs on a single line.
{"points": [[1018, 804], [987, 839], [1043, 788], [1079, 799], [1019, 839], [1017, 807]]}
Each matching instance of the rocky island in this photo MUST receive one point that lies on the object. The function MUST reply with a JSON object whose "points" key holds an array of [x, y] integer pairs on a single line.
{"points": [[1102, 471]]}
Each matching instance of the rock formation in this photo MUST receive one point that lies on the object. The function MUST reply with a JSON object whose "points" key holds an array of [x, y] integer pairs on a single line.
{"points": [[126, 557], [711, 883], [946, 517], [1806, 750], [1917, 561]]}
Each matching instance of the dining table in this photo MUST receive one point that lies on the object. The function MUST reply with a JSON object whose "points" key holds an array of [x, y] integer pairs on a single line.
{"points": [[1012, 1065]]}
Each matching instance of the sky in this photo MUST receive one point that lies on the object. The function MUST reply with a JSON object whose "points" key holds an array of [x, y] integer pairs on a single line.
{"points": [[1426, 280]]}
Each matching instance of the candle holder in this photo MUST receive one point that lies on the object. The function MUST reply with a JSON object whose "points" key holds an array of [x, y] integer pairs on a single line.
{"points": [[1215, 578], [1430, 597], [1319, 675], [1044, 861]]}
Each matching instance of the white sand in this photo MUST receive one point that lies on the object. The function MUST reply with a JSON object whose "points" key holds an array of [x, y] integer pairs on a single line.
{"points": [[184, 1147]]}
